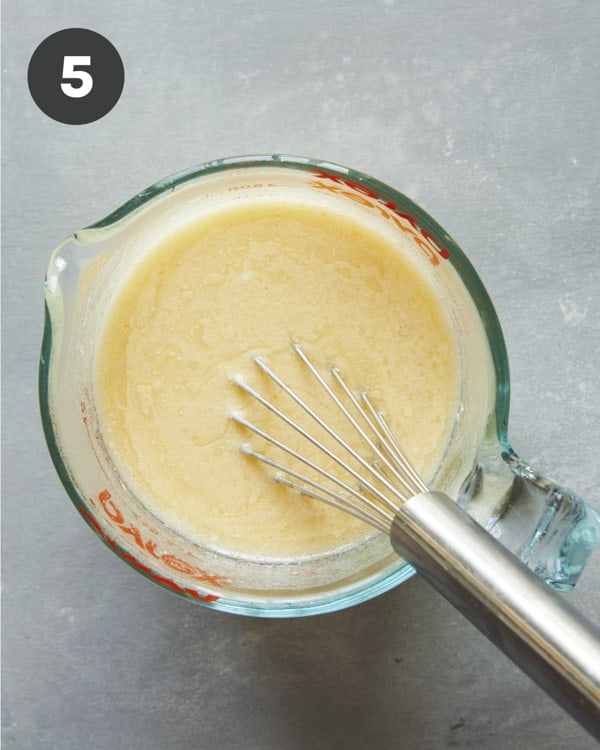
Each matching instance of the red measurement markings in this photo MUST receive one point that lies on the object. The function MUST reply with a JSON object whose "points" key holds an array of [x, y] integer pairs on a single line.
{"points": [[111, 510], [364, 196], [93, 434]]}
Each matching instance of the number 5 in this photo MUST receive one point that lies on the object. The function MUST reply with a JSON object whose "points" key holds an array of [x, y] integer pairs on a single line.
{"points": [[69, 63]]}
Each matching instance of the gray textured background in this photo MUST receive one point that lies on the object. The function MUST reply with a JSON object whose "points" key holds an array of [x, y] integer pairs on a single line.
{"points": [[486, 113]]}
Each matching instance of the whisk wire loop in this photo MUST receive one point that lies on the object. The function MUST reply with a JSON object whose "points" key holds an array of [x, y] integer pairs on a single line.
{"points": [[313, 440], [394, 449], [386, 446], [380, 449], [390, 479], [369, 513]]}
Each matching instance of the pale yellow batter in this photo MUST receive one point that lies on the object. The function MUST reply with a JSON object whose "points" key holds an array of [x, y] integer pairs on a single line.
{"points": [[248, 280]]}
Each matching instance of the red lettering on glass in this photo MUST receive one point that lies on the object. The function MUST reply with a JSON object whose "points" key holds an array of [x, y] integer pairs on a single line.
{"points": [[439, 248], [182, 566], [216, 580], [135, 533], [360, 188], [109, 507], [424, 240], [151, 547]]}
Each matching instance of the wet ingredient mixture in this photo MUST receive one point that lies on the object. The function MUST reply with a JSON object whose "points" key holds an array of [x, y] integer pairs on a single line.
{"points": [[249, 279]]}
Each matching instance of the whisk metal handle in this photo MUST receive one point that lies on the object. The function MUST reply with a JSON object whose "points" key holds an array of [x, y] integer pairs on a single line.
{"points": [[530, 622]]}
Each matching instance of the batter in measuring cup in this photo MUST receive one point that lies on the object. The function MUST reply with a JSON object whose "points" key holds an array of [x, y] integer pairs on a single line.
{"points": [[248, 279]]}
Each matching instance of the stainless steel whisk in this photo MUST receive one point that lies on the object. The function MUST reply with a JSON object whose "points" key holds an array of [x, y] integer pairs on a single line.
{"points": [[526, 619]]}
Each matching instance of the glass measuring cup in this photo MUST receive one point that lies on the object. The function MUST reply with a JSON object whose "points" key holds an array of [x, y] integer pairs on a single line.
{"points": [[550, 528]]}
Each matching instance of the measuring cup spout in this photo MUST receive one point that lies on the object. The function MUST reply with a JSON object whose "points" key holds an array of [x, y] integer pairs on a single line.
{"points": [[550, 528]]}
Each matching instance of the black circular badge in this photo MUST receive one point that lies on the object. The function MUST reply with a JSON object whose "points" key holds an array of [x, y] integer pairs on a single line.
{"points": [[75, 76]]}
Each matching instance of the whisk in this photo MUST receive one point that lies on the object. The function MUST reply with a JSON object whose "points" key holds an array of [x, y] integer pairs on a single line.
{"points": [[368, 475]]}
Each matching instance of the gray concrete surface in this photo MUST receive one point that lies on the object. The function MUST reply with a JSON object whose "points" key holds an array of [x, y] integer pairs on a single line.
{"points": [[487, 114]]}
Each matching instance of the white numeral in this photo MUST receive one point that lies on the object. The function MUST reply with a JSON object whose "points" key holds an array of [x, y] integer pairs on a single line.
{"points": [[86, 80]]}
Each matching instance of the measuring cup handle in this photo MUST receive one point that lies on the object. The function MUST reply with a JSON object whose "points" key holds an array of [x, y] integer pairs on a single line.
{"points": [[550, 528]]}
